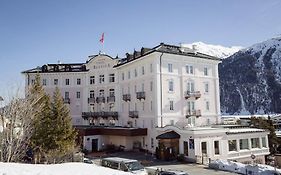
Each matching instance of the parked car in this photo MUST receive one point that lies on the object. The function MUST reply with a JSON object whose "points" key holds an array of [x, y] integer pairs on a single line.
{"points": [[159, 171]]}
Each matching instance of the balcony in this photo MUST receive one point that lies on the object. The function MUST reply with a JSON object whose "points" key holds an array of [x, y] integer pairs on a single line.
{"points": [[127, 97], [196, 113], [110, 99], [66, 100], [100, 99], [192, 94], [134, 114], [140, 95], [91, 100], [102, 114]]}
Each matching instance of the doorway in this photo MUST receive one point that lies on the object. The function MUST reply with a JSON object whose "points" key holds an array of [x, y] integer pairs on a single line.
{"points": [[95, 145]]}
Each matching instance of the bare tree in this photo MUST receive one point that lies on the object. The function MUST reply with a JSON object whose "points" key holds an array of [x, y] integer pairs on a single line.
{"points": [[16, 125]]}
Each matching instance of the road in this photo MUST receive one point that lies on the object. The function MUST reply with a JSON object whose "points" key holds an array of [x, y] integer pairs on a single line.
{"points": [[195, 169]]}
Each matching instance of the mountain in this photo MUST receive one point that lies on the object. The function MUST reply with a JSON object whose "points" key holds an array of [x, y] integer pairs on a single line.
{"points": [[250, 79], [213, 50]]}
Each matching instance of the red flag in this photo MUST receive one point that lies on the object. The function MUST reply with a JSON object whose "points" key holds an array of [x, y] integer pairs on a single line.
{"points": [[102, 38]]}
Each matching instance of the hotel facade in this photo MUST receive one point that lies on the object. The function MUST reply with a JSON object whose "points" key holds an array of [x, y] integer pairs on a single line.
{"points": [[163, 99]]}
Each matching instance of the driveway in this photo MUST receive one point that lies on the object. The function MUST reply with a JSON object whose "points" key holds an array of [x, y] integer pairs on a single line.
{"points": [[149, 160]]}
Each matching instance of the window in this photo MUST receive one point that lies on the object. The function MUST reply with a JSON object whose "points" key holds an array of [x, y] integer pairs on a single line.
{"points": [[244, 143], [206, 87], [101, 94], [189, 69], [171, 105], [207, 105], [32, 81], [151, 85], [78, 94], [205, 71], [92, 79], [170, 67], [232, 145], [56, 81], [217, 147], [67, 81], [123, 76], [129, 74], [185, 148], [255, 142], [111, 78], [190, 105], [44, 82], [171, 86], [204, 147], [136, 73], [111, 93], [101, 79], [152, 142], [142, 70], [92, 94], [263, 140], [151, 69], [190, 86], [66, 94], [78, 81]]}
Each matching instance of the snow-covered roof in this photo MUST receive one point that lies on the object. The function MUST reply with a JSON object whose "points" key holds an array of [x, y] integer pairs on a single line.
{"points": [[244, 130]]}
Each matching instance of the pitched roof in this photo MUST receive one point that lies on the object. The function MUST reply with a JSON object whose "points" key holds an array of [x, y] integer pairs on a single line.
{"points": [[169, 135], [164, 48]]}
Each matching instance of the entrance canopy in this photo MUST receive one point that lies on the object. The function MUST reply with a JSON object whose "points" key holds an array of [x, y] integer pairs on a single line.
{"points": [[168, 135]]}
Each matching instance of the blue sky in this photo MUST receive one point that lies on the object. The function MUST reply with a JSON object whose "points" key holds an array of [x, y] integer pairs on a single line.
{"points": [[36, 32]]}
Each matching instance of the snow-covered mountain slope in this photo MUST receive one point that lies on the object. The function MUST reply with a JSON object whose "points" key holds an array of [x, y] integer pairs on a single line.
{"points": [[214, 50], [250, 79]]}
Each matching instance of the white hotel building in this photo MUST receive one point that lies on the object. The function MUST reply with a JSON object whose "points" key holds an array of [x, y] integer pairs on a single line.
{"points": [[166, 97]]}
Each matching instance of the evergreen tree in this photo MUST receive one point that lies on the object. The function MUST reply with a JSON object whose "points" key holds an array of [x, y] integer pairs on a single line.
{"points": [[41, 122], [62, 136]]}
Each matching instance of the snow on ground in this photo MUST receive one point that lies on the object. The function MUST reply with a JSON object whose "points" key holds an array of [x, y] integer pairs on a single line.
{"points": [[242, 168], [57, 169]]}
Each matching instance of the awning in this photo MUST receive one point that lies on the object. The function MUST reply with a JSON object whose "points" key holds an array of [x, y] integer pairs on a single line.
{"points": [[169, 135]]}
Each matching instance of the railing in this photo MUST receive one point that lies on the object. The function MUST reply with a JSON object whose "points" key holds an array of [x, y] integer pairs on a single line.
{"points": [[190, 113], [103, 114], [111, 99], [100, 100], [140, 95], [127, 97], [91, 100], [66, 100], [192, 94], [134, 114]]}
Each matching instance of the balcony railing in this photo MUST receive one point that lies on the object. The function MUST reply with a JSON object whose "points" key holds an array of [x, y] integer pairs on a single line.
{"points": [[127, 97], [134, 114], [196, 113], [91, 100], [111, 99], [103, 114], [140, 95], [100, 100], [192, 94], [66, 100]]}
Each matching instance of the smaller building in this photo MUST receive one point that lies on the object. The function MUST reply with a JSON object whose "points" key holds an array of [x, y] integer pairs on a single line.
{"points": [[202, 144]]}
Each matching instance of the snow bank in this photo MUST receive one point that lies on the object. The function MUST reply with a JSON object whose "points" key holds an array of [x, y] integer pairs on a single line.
{"points": [[57, 169], [242, 168]]}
